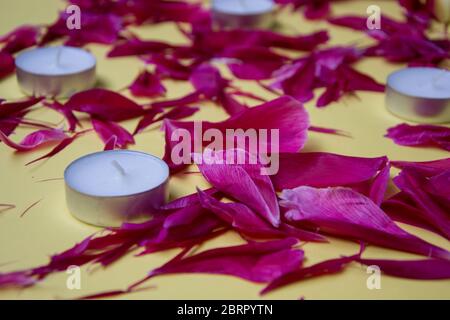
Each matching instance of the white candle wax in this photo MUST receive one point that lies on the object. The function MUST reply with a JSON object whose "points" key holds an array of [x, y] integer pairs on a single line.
{"points": [[108, 188], [55, 71], [419, 94], [243, 13]]}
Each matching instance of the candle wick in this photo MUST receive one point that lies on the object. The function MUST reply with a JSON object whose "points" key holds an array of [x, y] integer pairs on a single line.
{"points": [[119, 168]]}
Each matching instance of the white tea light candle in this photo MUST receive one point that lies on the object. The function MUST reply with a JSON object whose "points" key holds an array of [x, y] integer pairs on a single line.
{"points": [[55, 71], [243, 13], [419, 94], [111, 187]]}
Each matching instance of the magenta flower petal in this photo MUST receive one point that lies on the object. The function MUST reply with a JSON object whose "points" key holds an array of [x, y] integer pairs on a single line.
{"points": [[253, 63], [35, 139], [331, 266], [313, 9], [207, 80], [319, 169], [420, 135], [20, 38], [428, 168], [412, 183], [285, 114], [96, 28], [330, 69], [66, 112], [12, 108], [390, 26], [430, 269], [112, 134], [418, 12], [104, 104], [400, 208], [16, 279], [143, 11], [154, 115], [210, 43], [12, 113], [7, 65], [256, 261], [188, 200], [317, 9], [136, 47], [170, 67], [59, 147], [244, 220], [346, 213], [255, 189], [147, 85], [424, 199], [209, 83], [182, 101]]}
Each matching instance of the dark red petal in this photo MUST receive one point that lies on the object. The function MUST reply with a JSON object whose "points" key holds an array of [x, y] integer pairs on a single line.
{"points": [[104, 104]]}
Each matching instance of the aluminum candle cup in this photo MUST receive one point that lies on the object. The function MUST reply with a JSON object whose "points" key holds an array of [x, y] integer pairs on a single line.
{"points": [[55, 71], [247, 14], [111, 187], [419, 94]]}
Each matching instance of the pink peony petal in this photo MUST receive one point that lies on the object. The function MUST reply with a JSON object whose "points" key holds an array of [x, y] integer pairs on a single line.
{"points": [[418, 12], [95, 28], [136, 47], [20, 38], [59, 147], [330, 69], [423, 206], [12, 113], [256, 261], [412, 183], [255, 189], [207, 80], [104, 104], [400, 208], [330, 131], [320, 169], [156, 11], [331, 266], [16, 279], [420, 135], [170, 67], [285, 114], [35, 139], [242, 219], [147, 85], [428, 168], [109, 131], [411, 49], [66, 112], [210, 43], [12, 108], [7, 65], [346, 213], [154, 115], [412, 269], [253, 63]]}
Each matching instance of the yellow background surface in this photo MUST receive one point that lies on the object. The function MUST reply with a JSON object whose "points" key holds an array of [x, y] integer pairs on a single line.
{"points": [[48, 227]]}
